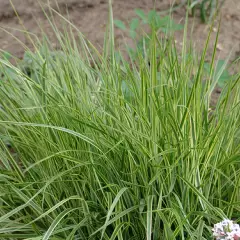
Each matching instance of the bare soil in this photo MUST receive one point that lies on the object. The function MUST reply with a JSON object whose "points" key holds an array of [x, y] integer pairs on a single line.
{"points": [[90, 16]]}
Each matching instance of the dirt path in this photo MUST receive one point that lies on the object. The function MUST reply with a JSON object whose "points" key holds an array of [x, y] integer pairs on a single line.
{"points": [[90, 17]]}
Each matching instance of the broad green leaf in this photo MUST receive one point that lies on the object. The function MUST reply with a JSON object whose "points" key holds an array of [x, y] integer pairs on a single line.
{"points": [[151, 17], [120, 24], [134, 24], [172, 26], [224, 74], [224, 78], [133, 34], [141, 14], [176, 27], [162, 22]]}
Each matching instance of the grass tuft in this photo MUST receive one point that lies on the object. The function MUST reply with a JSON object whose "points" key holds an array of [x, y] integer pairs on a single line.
{"points": [[104, 148]]}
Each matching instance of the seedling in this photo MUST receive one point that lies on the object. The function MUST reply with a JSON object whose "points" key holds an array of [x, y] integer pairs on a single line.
{"points": [[222, 73], [153, 21]]}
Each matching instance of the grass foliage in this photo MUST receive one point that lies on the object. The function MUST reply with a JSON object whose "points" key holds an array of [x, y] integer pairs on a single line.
{"points": [[104, 148]]}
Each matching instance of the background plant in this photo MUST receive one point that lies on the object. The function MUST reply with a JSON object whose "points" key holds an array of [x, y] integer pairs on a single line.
{"points": [[207, 8], [165, 25], [154, 22]]}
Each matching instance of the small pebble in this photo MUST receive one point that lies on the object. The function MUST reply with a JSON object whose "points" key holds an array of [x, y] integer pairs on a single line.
{"points": [[219, 47]]}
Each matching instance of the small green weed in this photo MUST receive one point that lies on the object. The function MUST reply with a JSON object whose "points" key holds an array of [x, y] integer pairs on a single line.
{"points": [[155, 23], [221, 72]]}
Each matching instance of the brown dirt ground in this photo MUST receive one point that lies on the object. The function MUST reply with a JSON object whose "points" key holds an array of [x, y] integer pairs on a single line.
{"points": [[90, 16]]}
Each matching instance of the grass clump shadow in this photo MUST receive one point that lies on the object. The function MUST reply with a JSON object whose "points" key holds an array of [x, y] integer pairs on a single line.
{"points": [[111, 149]]}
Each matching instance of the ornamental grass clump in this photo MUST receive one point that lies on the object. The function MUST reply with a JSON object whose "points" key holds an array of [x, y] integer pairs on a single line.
{"points": [[104, 148]]}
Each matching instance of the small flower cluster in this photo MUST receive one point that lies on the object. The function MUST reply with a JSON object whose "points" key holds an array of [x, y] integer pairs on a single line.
{"points": [[226, 230]]}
